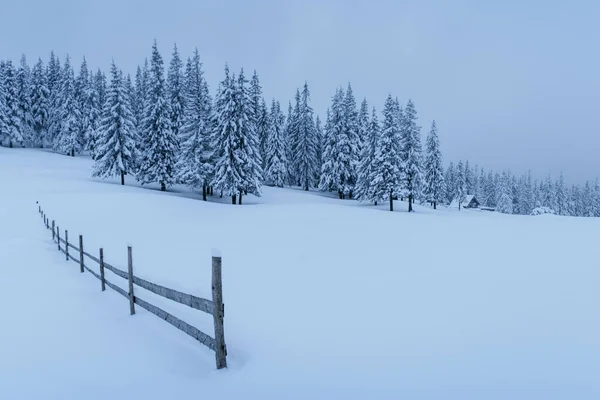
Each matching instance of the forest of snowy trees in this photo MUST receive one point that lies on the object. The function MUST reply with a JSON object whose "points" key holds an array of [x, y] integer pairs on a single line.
{"points": [[163, 126]]}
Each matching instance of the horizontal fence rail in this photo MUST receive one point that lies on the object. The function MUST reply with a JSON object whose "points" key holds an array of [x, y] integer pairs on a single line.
{"points": [[214, 307]]}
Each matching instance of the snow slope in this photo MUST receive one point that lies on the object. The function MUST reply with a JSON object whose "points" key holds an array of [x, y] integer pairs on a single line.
{"points": [[324, 299]]}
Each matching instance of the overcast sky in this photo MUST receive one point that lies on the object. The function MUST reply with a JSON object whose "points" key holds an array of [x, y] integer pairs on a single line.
{"points": [[511, 84]]}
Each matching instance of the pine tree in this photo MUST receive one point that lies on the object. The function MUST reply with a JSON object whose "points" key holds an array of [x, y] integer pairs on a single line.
{"points": [[3, 106], [289, 124], [461, 183], [175, 93], [387, 176], [363, 129], [276, 172], [412, 149], [434, 169], [505, 202], [195, 163], [292, 130], [160, 144], [115, 150], [69, 141], [364, 186], [450, 179], [54, 82], [249, 150], [305, 145], [11, 102], [320, 140], [561, 196], [352, 133], [259, 110], [82, 94], [39, 103], [24, 96], [335, 173]]}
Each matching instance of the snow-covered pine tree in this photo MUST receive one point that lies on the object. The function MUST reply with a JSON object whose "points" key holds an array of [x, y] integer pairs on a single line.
{"points": [[249, 149], [3, 107], [434, 170], [469, 181], [259, 110], [363, 129], [320, 143], [94, 109], [54, 82], [450, 179], [39, 103], [490, 190], [194, 165], [276, 172], [561, 196], [82, 93], [305, 145], [351, 132], [175, 92], [412, 150], [11, 100], [461, 183], [69, 141], [140, 93], [115, 148], [292, 137], [160, 143], [228, 172], [505, 202], [364, 186], [335, 171], [288, 135], [387, 176], [24, 93]]}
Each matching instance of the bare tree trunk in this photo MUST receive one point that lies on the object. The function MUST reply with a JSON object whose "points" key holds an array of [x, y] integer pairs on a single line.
{"points": [[240, 203], [410, 203], [391, 201], [163, 187], [233, 199], [204, 192], [435, 205], [122, 178]]}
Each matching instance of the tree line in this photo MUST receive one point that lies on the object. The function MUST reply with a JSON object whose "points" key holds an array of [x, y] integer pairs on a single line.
{"points": [[165, 127]]}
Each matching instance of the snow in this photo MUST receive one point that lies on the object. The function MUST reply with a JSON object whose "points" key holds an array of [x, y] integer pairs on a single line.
{"points": [[324, 299]]}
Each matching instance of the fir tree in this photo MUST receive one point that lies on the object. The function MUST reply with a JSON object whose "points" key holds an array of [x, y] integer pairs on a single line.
{"points": [[450, 179], [412, 149], [292, 131], [387, 175], [305, 145], [195, 163], [461, 183], [434, 169], [82, 93], [364, 186], [363, 129], [561, 196], [69, 141], [320, 140], [336, 172], [39, 103], [505, 202], [160, 144], [276, 172], [352, 133], [24, 98], [12, 117], [115, 146], [3, 106], [54, 81], [259, 110], [175, 92]]}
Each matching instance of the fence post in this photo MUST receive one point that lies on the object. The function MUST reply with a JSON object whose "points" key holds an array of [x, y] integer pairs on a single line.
{"points": [[58, 237], [40, 209], [102, 269], [66, 245], [81, 252], [53, 232], [130, 270], [47, 223], [218, 310]]}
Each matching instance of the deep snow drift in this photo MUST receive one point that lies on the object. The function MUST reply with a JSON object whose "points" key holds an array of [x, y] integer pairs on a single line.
{"points": [[323, 298]]}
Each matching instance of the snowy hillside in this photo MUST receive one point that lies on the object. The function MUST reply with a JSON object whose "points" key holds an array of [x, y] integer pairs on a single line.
{"points": [[325, 299]]}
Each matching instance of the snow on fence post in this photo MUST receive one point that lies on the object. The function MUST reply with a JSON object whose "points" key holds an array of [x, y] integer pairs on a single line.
{"points": [[47, 223], [130, 270], [66, 245], [53, 232], [58, 237], [218, 310], [102, 269], [40, 209], [81, 253]]}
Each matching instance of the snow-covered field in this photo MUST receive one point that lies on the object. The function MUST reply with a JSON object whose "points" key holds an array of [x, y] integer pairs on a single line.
{"points": [[324, 299]]}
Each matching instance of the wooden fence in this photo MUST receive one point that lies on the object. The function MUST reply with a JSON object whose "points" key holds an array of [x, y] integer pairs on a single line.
{"points": [[215, 307]]}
